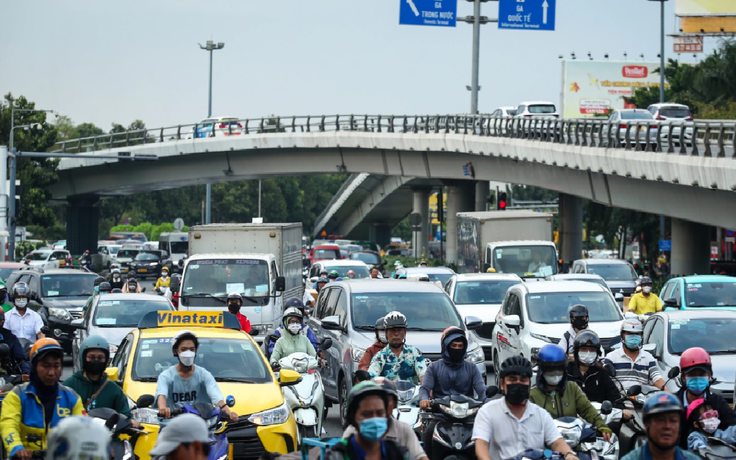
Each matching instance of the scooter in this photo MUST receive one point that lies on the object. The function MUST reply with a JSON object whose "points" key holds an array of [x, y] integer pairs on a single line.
{"points": [[307, 398], [118, 424], [547, 454], [581, 436], [408, 408], [613, 417], [717, 449], [213, 416]]}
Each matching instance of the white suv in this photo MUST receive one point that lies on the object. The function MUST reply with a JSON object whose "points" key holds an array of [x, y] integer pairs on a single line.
{"points": [[47, 258], [668, 112], [535, 314], [537, 109]]}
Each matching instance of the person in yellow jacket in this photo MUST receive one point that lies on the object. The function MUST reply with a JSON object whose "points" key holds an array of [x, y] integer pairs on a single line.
{"points": [[32, 409], [645, 301], [164, 281]]}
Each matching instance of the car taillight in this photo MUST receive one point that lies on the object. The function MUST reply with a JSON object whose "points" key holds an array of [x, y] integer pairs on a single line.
{"points": [[527, 116], [690, 118], [223, 126], [623, 126], [660, 117], [240, 126], [556, 116]]}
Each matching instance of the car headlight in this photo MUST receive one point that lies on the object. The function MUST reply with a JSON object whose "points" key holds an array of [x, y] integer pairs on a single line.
{"points": [[60, 313], [275, 416], [476, 355], [145, 415], [358, 354]]}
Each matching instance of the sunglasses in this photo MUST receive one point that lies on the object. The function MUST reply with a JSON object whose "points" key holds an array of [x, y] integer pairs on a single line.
{"points": [[709, 414]]}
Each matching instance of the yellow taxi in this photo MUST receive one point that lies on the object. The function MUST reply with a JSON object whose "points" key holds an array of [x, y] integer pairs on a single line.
{"points": [[265, 422]]}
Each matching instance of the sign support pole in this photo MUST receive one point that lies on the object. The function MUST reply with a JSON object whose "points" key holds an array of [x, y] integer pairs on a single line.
{"points": [[476, 58]]}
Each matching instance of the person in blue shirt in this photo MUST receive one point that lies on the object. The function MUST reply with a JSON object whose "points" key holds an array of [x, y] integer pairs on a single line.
{"points": [[293, 303], [186, 383]]}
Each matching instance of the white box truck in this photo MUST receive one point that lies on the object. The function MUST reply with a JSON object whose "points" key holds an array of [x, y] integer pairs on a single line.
{"points": [[263, 262], [513, 241]]}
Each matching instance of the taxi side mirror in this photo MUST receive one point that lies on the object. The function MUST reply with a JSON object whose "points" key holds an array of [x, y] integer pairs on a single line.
{"points": [[289, 378], [112, 374]]}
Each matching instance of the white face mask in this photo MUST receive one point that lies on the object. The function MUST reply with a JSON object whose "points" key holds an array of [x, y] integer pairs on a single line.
{"points": [[553, 378], [710, 425], [646, 289], [295, 328], [186, 358], [21, 302], [382, 337], [587, 358]]}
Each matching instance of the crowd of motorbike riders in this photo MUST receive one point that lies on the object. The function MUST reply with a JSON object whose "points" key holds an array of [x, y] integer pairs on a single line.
{"points": [[39, 412]]}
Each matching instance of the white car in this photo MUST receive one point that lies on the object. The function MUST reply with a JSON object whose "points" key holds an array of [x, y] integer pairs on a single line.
{"points": [[537, 109], [535, 314], [504, 112], [46, 258], [481, 295], [217, 126], [667, 113]]}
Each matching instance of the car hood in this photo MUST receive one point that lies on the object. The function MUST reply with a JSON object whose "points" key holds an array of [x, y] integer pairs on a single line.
{"points": [[556, 331], [69, 303], [113, 335], [37, 263], [620, 284], [724, 369], [485, 311]]}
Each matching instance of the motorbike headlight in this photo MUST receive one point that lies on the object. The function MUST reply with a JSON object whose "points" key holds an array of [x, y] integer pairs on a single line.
{"points": [[476, 355], [571, 433], [145, 415], [300, 365], [641, 398], [358, 354], [457, 410], [60, 313], [263, 329], [275, 416]]}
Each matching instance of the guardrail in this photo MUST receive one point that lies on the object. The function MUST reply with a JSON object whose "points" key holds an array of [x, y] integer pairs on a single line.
{"points": [[709, 137]]}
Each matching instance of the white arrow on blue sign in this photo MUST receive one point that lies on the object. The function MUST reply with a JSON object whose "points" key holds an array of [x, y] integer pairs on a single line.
{"points": [[526, 14], [440, 13]]}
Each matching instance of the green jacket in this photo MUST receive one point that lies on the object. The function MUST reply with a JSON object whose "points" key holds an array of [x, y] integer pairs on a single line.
{"points": [[572, 403], [288, 344], [111, 396]]}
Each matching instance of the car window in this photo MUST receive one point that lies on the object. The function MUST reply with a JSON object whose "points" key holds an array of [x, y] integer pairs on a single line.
{"points": [[33, 284], [666, 291], [326, 253], [331, 302], [121, 357], [637, 115], [647, 335], [657, 337], [322, 303], [361, 271], [67, 285], [554, 307], [366, 257], [520, 109], [542, 108], [676, 292], [720, 294], [674, 112], [366, 308], [227, 359], [102, 250], [341, 306], [38, 255], [713, 334], [481, 292], [126, 313], [613, 272], [515, 307]]}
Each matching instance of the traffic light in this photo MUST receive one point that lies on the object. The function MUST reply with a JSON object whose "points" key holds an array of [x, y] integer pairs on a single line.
{"points": [[502, 202], [18, 193]]}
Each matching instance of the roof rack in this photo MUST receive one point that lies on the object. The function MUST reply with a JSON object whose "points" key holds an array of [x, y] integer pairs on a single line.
{"points": [[35, 269]]}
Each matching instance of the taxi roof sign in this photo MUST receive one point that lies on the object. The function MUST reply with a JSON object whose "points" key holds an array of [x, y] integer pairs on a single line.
{"points": [[221, 319]]}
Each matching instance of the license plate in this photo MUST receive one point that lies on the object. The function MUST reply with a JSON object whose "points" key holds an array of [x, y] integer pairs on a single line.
{"points": [[142, 270]]}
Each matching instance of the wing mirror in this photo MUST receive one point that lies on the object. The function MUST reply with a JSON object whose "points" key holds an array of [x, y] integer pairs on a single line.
{"points": [[326, 344], [606, 407], [472, 322], [145, 401], [674, 372], [672, 302], [492, 391], [280, 284], [634, 390], [331, 323], [610, 369]]}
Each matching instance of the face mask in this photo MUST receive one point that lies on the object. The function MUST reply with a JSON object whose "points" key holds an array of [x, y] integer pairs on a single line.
{"points": [[646, 289], [632, 342], [710, 425], [186, 358], [587, 358], [382, 337], [553, 378], [94, 367], [456, 354], [697, 385], [233, 308], [164, 276], [21, 302], [373, 428], [579, 323], [294, 328], [517, 393]]}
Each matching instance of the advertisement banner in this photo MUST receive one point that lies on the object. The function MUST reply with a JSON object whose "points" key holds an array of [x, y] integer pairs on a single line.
{"points": [[705, 8], [595, 87], [687, 44]]}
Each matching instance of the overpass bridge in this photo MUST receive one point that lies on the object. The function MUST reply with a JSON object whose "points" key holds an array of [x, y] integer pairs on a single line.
{"points": [[686, 170]]}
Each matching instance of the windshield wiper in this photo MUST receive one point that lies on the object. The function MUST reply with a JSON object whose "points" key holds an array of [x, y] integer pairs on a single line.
{"points": [[723, 352], [370, 328], [422, 329], [204, 295], [233, 379], [146, 379]]}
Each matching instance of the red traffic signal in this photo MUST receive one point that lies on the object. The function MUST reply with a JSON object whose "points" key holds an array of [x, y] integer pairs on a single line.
{"points": [[502, 202]]}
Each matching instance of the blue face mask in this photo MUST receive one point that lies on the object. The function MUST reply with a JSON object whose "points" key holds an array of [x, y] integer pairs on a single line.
{"points": [[697, 385], [373, 428], [632, 342]]}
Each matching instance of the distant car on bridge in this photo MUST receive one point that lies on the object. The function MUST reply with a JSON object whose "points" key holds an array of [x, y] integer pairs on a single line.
{"points": [[639, 118], [217, 126], [668, 112], [504, 112], [537, 109]]}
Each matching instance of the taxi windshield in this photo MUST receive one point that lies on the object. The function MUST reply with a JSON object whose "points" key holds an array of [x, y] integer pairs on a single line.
{"points": [[126, 313], [249, 277], [711, 294], [235, 360]]}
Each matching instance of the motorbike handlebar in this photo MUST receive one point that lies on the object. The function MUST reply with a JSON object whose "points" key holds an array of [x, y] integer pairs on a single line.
{"points": [[35, 455]]}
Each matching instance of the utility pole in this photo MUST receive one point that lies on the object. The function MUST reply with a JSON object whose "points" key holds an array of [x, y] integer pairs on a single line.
{"points": [[210, 46], [477, 20]]}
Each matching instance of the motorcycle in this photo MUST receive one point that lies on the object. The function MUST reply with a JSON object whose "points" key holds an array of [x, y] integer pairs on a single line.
{"points": [[118, 424], [547, 454], [717, 449], [582, 437], [452, 435], [307, 398]]}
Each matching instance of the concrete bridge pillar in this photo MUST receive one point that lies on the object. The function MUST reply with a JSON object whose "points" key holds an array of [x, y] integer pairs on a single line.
{"points": [[460, 198], [420, 244], [82, 224], [380, 234], [690, 248], [571, 228], [482, 190]]}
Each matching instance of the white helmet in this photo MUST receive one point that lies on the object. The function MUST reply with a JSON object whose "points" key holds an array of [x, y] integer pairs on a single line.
{"points": [[76, 438], [632, 325]]}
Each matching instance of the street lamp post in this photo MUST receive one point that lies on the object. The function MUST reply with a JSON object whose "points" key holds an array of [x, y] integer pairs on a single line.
{"points": [[12, 167], [210, 46], [661, 49]]}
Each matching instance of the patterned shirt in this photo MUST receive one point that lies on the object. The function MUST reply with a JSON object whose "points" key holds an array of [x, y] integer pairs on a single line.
{"points": [[642, 371], [409, 365]]}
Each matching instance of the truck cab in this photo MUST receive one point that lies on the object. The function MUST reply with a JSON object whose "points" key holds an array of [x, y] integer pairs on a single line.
{"points": [[208, 279], [530, 260]]}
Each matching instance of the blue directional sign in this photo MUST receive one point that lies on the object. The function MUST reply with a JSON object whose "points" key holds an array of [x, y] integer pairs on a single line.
{"points": [[526, 14], [441, 13], [665, 245]]}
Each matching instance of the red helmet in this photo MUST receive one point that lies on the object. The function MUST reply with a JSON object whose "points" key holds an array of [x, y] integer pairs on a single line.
{"points": [[695, 358]]}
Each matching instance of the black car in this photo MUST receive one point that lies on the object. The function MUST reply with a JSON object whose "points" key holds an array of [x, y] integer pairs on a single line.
{"points": [[370, 258], [148, 263], [58, 295]]}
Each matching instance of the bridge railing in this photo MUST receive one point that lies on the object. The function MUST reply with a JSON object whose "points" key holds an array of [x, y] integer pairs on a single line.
{"points": [[699, 137]]}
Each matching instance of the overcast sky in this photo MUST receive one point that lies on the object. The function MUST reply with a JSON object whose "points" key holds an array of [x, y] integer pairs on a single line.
{"points": [[115, 61]]}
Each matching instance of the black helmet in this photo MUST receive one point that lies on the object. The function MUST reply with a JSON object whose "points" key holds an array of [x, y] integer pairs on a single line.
{"points": [[116, 291], [661, 402], [578, 311], [105, 287], [646, 280], [235, 296], [586, 338], [516, 365], [359, 392], [394, 320], [99, 280], [380, 326]]}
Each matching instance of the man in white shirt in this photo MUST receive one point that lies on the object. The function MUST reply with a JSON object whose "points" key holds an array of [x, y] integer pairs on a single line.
{"points": [[536, 264], [20, 320], [633, 365], [508, 426]]}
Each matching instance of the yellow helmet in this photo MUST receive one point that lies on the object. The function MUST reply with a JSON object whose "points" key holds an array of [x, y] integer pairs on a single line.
{"points": [[491, 270]]}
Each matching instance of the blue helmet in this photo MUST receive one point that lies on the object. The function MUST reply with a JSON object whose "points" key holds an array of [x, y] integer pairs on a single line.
{"points": [[552, 355], [661, 402], [293, 302]]}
